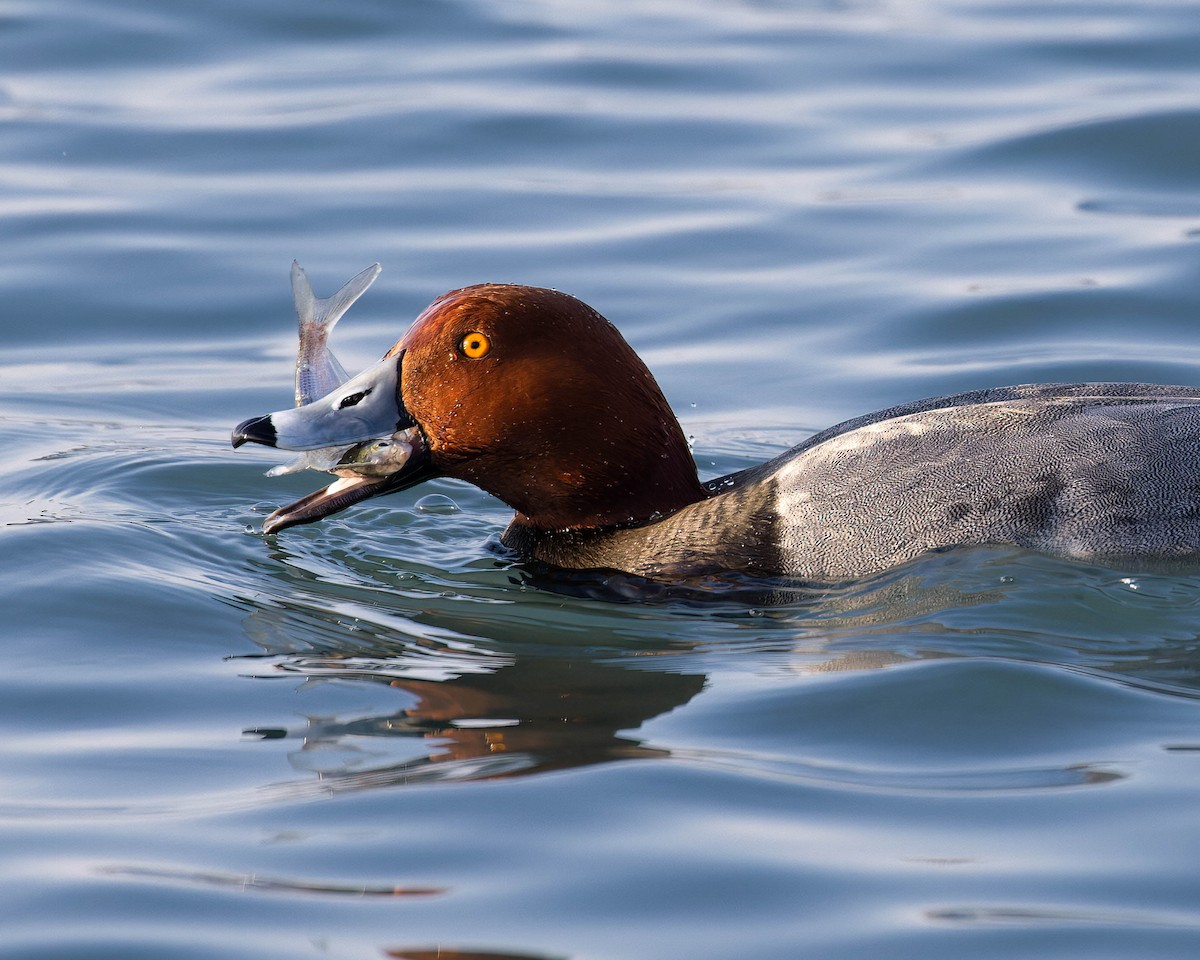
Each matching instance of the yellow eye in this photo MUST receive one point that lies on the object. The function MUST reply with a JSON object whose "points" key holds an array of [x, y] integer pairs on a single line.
{"points": [[475, 345]]}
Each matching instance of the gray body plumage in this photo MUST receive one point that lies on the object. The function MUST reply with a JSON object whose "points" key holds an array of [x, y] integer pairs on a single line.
{"points": [[1092, 471]]}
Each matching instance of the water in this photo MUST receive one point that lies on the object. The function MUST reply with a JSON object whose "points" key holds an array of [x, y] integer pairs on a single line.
{"points": [[374, 737]]}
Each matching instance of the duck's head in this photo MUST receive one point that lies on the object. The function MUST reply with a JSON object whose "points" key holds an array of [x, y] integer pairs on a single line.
{"points": [[527, 393]]}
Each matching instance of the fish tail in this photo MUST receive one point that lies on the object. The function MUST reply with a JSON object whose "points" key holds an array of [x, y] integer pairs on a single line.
{"points": [[326, 312], [317, 369]]}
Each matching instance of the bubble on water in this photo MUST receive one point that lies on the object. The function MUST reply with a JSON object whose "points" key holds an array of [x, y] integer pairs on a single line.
{"points": [[437, 504]]}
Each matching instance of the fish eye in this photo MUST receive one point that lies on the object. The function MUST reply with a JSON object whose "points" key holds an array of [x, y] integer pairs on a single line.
{"points": [[352, 399], [474, 345]]}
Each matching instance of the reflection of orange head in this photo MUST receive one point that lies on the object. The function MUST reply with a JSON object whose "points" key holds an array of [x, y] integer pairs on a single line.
{"points": [[543, 713]]}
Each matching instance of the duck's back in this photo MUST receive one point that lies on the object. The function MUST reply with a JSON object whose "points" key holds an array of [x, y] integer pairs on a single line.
{"points": [[1096, 471]]}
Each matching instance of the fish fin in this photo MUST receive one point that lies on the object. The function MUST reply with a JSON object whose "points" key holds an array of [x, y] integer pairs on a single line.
{"points": [[324, 460], [292, 466], [302, 293]]}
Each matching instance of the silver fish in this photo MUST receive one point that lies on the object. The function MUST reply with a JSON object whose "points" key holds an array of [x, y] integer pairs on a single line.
{"points": [[318, 371], [378, 458]]}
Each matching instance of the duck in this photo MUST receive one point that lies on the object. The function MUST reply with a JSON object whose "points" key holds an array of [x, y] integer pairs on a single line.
{"points": [[534, 397]]}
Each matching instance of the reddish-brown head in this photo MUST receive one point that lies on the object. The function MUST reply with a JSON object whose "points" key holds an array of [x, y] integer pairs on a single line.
{"points": [[536, 398]]}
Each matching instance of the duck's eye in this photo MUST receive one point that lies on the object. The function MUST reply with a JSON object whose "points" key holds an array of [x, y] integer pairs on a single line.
{"points": [[474, 345], [352, 399]]}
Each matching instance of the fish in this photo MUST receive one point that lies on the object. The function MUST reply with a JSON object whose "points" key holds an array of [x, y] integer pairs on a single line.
{"points": [[318, 371], [378, 458]]}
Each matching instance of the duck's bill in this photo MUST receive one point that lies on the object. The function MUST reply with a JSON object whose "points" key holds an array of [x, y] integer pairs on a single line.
{"points": [[382, 448], [362, 408]]}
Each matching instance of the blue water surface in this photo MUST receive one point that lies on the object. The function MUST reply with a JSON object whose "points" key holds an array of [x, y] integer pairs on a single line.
{"points": [[376, 737]]}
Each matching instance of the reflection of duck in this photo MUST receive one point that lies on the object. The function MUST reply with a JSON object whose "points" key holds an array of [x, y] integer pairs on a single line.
{"points": [[532, 715], [533, 396]]}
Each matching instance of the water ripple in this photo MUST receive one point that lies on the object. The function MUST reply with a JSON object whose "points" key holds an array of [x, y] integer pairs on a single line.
{"points": [[964, 781]]}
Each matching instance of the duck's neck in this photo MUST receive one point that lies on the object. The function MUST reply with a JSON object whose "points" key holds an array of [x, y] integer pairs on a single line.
{"points": [[630, 482], [615, 511], [733, 531]]}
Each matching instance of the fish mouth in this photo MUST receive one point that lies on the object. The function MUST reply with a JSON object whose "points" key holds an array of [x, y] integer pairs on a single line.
{"points": [[368, 469]]}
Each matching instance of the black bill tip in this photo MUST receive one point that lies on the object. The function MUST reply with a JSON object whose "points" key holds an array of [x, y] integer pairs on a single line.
{"points": [[255, 430]]}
